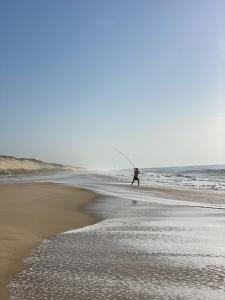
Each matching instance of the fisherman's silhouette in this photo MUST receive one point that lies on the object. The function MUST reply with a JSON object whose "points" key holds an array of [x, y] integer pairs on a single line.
{"points": [[135, 178]]}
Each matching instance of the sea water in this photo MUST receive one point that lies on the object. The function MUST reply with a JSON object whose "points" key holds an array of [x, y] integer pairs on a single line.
{"points": [[196, 177], [205, 178]]}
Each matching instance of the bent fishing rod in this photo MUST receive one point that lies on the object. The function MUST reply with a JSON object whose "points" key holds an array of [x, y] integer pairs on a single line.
{"points": [[126, 157]]}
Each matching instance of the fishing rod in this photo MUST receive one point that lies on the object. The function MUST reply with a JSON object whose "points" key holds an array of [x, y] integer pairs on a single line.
{"points": [[127, 158]]}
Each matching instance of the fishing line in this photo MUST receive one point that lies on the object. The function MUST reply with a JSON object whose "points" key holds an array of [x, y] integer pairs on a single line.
{"points": [[127, 158]]}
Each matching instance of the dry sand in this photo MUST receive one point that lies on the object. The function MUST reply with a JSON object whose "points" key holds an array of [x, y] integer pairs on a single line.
{"points": [[32, 212]]}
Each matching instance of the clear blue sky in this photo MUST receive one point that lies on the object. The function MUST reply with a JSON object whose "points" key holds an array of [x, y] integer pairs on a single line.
{"points": [[147, 76]]}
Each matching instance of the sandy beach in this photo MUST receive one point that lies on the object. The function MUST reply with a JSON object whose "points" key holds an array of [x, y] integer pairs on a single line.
{"points": [[32, 212], [146, 246]]}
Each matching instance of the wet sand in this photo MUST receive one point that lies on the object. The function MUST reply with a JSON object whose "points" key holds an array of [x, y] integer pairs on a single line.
{"points": [[139, 251], [32, 212], [110, 186], [150, 244]]}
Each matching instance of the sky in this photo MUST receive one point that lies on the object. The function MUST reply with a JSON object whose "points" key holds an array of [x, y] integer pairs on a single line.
{"points": [[79, 77]]}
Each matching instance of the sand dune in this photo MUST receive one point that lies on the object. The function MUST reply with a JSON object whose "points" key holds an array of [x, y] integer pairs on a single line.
{"points": [[10, 165]]}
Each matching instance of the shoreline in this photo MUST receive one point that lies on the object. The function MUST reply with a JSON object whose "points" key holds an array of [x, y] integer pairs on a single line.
{"points": [[189, 195], [32, 212], [140, 251]]}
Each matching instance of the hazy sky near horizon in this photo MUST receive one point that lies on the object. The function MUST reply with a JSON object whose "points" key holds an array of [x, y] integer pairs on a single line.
{"points": [[79, 77]]}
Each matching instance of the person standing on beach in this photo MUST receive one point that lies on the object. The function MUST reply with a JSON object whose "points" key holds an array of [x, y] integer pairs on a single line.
{"points": [[136, 173]]}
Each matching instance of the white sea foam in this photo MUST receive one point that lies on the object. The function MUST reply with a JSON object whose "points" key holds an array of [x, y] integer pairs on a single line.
{"points": [[195, 177]]}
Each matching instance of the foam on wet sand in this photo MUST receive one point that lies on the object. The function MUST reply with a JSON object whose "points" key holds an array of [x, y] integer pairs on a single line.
{"points": [[139, 251]]}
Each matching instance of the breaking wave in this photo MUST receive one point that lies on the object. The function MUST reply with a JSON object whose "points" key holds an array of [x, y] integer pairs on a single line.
{"points": [[196, 177]]}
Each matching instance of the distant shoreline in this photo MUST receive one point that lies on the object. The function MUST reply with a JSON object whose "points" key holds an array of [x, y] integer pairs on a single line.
{"points": [[25, 172], [10, 166], [32, 212]]}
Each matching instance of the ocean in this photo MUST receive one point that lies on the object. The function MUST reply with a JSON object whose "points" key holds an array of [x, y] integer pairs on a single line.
{"points": [[207, 177]]}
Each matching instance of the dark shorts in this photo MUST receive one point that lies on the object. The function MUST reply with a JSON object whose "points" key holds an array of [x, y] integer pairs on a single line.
{"points": [[135, 178]]}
